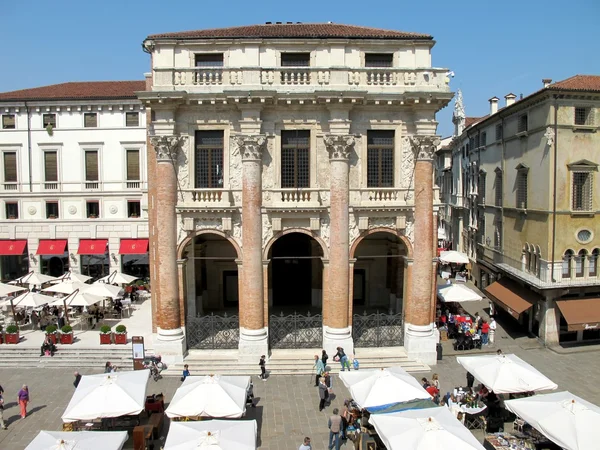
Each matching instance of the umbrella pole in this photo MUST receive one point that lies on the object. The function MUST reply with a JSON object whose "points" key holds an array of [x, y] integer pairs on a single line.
{"points": [[66, 312], [12, 306]]}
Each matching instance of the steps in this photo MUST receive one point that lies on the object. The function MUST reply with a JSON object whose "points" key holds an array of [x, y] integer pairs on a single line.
{"points": [[289, 362], [66, 357]]}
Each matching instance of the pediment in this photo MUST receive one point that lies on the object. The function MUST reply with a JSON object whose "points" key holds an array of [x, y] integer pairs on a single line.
{"points": [[583, 164]]}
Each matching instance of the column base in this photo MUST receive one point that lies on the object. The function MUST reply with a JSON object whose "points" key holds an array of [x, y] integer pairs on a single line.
{"points": [[338, 337], [253, 344], [170, 345], [420, 342]]}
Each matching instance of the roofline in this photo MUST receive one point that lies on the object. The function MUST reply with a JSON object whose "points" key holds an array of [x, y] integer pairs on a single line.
{"points": [[165, 36], [64, 99]]}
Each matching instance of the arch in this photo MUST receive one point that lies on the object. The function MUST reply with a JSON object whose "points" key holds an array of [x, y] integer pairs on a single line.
{"points": [[364, 234], [282, 233], [197, 233]]}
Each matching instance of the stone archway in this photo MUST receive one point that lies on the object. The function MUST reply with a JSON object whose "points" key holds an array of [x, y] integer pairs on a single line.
{"points": [[310, 233]]}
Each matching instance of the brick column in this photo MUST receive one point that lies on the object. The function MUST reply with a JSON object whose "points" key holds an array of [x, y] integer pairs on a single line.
{"points": [[170, 341], [336, 330], [420, 336], [253, 334]]}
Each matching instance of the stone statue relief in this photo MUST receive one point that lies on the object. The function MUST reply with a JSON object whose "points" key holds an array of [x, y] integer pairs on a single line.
{"points": [[166, 146], [339, 146]]}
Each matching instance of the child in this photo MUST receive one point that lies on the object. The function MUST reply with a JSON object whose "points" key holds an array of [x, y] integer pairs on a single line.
{"points": [[186, 372], [263, 371], [355, 363]]}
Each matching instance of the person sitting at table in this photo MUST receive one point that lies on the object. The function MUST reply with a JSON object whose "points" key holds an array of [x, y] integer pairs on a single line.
{"points": [[47, 346], [118, 305]]}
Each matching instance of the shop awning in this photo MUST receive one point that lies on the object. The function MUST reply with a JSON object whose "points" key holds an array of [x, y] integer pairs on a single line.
{"points": [[12, 247], [511, 297], [52, 247], [92, 246], [133, 246], [581, 314]]}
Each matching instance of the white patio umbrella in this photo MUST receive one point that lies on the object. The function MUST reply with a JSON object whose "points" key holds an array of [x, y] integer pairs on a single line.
{"points": [[37, 279], [378, 387], [32, 300], [76, 440], [71, 276], [118, 278], [66, 287], [212, 434], [102, 290], [506, 374], [108, 395], [457, 293], [565, 419], [7, 289], [77, 298], [454, 257], [423, 429], [210, 396]]}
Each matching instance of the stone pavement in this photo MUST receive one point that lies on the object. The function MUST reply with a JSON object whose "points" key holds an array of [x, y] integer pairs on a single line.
{"points": [[287, 406]]}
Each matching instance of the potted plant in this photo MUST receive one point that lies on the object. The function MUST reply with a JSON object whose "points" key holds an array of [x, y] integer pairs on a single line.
{"points": [[121, 334], [12, 334], [66, 334], [105, 334], [51, 331]]}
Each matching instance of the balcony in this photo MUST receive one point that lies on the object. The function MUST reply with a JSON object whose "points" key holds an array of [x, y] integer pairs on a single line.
{"points": [[205, 198], [50, 185], [11, 186], [378, 197], [294, 198], [91, 185], [133, 184]]}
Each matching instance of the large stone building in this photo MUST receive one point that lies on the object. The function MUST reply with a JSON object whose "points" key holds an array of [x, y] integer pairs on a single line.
{"points": [[292, 171], [524, 202]]}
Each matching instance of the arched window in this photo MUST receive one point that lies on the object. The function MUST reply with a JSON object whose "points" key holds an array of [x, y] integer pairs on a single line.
{"points": [[566, 263], [593, 263], [526, 257], [538, 257], [579, 263]]}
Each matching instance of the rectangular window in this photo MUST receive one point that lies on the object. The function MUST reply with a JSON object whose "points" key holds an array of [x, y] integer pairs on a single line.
{"points": [[498, 188], [582, 191], [481, 188], [10, 167], [566, 265], [12, 210], [583, 116], [49, 119], [295, 159], [579, 264], [499, 131], [593, 263], [8, 122], [132, 119], [498, 234], [92, 209], [380, 158], [133, 165], [476, 141], [209, 60], [522, 189], [90, 120], [51, 210], [379, 59], [209, 159], [50, 166], [484, 139], [133, 209], [91, 165], [295, 59], [522, 125]]}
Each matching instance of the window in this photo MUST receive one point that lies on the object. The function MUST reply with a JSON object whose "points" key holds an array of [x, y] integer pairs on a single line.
{"points": [[498, 233], [582, 191], [51, 210], [295, 159], [209, 159], [12, 210], [579, 261], [483, 139], [133, 209], [50, 166], [91, 165], [132, 119], [481, 187], [566, 264], [379, 59], [10, 167], [593, 264], [8, 122], [498, 187], [92, 209], [583, 116], [295, 59], [90, 120], [133, 165], [49, 119], [380, 158], [481, 228], [209, 60], [499, 132], [522, 186], [522, 125]]}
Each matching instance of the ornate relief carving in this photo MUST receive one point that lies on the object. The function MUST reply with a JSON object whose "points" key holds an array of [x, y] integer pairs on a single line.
{"points": [[353, 230], [267, 231], [205, 223], [113, 209], [166, 146], [235, 167], [183, 169], [409, 230], [339, 146], [181, 233], [73, 209], [325, 229], [32, 210], [407, 166], [549, 135], [251, 147], [424, 146], [382, 222], [236, 233]]}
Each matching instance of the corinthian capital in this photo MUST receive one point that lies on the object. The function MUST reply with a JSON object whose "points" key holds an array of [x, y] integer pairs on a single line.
{"points": [[250, 146], [339, 146], [424, 146], [166, 146]]}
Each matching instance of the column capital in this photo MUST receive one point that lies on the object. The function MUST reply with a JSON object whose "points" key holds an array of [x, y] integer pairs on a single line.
{"points": [[250, 146], [339, 146], [166, 146], [424, 146]]}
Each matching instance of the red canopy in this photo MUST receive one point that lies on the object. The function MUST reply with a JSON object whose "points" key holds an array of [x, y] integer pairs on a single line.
{"points": [[92, 246], [133, 246], [52, 246], [13, 247]]}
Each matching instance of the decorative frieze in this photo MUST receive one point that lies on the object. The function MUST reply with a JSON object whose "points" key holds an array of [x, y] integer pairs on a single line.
{"points": [[339, 146], [251, 147], [166, 146], [424, 146]]}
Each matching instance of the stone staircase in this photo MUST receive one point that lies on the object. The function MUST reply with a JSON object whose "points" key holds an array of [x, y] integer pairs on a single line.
{"points": [[289, 362], [67, 357]]}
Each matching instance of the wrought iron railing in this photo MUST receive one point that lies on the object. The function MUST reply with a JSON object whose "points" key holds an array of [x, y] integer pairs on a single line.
{"points": [[213, 331], [296, 331], [378, 330]]}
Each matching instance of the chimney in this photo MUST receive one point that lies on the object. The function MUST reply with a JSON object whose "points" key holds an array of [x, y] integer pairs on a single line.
{"points": [[510, 99], [148, 78], [493, 105], [546, 81]]}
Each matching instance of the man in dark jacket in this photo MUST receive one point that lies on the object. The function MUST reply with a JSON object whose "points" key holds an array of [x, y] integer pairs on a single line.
{"points": [[470, 379], [77, 379], [323, 394]]}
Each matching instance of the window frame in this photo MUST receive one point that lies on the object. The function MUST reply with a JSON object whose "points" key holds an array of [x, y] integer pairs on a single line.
{"points": [[499, 132], [8, 204], [523, 123], [498, 233], [219, 179], [129, 113], [92, 203], [87, 179], [131, 215], [48, 213], [588, 116], [381, 182], [375, 55], [522, 182], [300, 155], [210, 58], [44, 153], [46, 123], [284, 55], [594, 257], [586, 191], [498, 188], [481, 186], [87, 115], [14, 118], [16, 163], [139, 156], [567, 262]]}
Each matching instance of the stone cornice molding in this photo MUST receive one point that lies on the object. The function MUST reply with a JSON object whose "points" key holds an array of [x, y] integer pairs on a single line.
{"points": [[424, 147], [250, 146], [166, 147], [339, 146]]}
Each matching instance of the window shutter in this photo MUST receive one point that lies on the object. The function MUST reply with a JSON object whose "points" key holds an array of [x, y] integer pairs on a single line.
{"points": [[133, 165], [10, 167], [91, 165], [50, 166]]}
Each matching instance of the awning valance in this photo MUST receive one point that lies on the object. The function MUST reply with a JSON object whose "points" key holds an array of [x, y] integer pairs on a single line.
{"points": [[133, 246], [52, 246], [12, 247], [511, 297], [92, 246], [581, 314]]}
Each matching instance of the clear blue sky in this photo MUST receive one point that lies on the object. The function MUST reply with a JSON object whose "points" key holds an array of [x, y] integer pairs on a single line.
{"points": [[494, 47]]}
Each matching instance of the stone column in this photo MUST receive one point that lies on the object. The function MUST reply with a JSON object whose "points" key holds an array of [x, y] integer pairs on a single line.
{"points": [[420, 334], [170, 342], [253, 333], [336, 329]]}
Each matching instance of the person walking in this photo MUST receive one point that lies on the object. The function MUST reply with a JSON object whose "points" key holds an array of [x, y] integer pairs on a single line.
{"points": [[23, 399], [319, 369], [306, 444], [435, 381], [185, 373], [324, 358], [263, 371], [493, 327], [335, 426], [77, 379], [323, 394], [342, 358], [470, 380], [2, 423], [485, 329]]}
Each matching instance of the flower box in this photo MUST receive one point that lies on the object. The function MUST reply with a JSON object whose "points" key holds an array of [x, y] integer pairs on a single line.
{"points": [[120, 338], [105, 338], [66, 334], [12, 338]]}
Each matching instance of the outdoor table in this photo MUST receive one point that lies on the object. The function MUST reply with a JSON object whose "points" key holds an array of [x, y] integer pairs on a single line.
{"points": [[505, 441]]}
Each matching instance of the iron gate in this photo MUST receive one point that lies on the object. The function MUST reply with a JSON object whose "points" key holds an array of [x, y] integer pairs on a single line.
{"points": [[377, 330], [213, 332], [296, 331]]}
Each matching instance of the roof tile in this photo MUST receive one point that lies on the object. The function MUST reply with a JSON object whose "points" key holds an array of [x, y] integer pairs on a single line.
{"points": [[79, 90], [578, 83]]}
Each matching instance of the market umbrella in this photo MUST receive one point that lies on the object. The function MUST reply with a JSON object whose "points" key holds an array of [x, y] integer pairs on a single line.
{"points": [[78, 440], [423, 429], [102, 290], [66, 287], [37, 279], [454, 257], [32, 300], [380, 387], [213, 435], [118, 278], [108, 395], [210, 396], [77, 298], [7, 289], [506, 374], [71, 276], [568, 420], [457, 293]]}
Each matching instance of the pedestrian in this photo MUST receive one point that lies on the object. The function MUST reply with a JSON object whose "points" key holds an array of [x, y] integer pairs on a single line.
{"points": [[185, 373], [346, 416], [485, 329], [342, 358], [499, 352], [23, 399], [335, 426], [319, 369], [493, 326], [77, 379], [477, 321], [435, 381], [107, 367], [263, 370], [2, 423], [328, 383], [424, 383], [324, 358], [306, 444], [470, 379], [323, 394]]}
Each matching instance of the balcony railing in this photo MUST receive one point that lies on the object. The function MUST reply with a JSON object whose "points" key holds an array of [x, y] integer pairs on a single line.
{"points": [[371, 197], [92, 185], [206, 197], [133, 184], [292, 197], [11, 186], [51, 186]]}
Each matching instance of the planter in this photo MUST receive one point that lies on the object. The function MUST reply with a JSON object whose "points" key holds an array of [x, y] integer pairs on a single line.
{"points": [[66, 338], [12, 338], [120, 338], [105, 338], [53, 338]]}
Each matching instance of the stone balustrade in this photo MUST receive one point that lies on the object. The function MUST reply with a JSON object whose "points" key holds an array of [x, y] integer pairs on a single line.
{"points": [[205, 197]]}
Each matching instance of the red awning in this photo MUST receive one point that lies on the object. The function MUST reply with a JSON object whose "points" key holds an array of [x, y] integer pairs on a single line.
{"points": [[13, 247], [92, 246], [133, 246], [52, 247]]}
